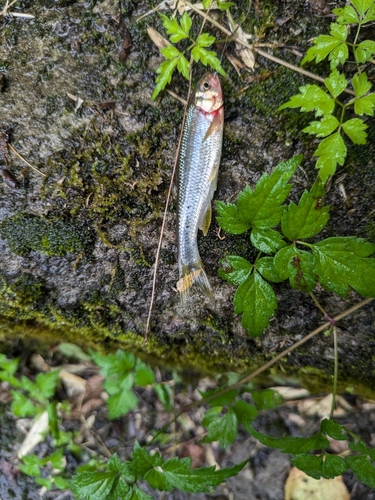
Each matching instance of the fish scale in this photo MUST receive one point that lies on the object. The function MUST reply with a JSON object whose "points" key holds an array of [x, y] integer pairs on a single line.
{"points": [[198, 165]]}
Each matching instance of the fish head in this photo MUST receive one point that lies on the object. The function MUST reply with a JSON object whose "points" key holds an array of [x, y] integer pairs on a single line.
{"points": [[208, 95]]}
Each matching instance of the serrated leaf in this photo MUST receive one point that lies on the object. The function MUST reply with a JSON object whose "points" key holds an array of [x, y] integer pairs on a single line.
{"points": [[332, 45], [175, 473], [260, 208], [361, 85], [138, 494], [121, 403], [333, 466], [223, 399], [186, 23], [346, 15], [268, 399], [22, 406], [143, 461], [114, 365], [47, 382], [170, 52], [310, 464], [99, 485], [225, 5], [165, 71], [266, 267], [365, 105], [311, 98], [9, 365], [245, 412], [370, 15], [336, 83], [359, 446], [364, 51], [267, 240], [205, 40], [172, 27], [355, 129], [207, 57], [61, 483], [257, 301], [31, 465], [363, 469], [331, 151], [143, 375], [362, 5], [333, 429], [47, 482], [339, 55], [309, 217], [297, 265], [222, 428], [341, 261], [235, 269], [183, 66], [293, 445], [326, 126]]}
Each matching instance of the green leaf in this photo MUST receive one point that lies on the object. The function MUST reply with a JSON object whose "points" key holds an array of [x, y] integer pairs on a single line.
{"points": [[31, 465], [309, 217], [207, 57], [331, 151], [47, 482], [245, 413], [47, 383], [364, 51], [223, 399], [114, 365], [336, 83], [99, 485], [266, 267], [222, 428], [310, 464], [73, 351], [205, 40], [225, 5], [323, 128], [61, 483], [333, 429], [332, 45], [235, 269], [138, 494], [143, 375], [359, 446], [143, 461], [260, 208], [176, 31], [9, 365], [22, 406], [257, 301], [121, 403], [183, 66], [346, 15], [165, 395], [362, 5], [365, 105], [165, 71], [363, 469], [297, 265], [175, 473], [293, 445], [361, 85], [333, 466], [311, 98], [56, 459], [370, 14], [341, 261], [267, 240], [355, 128], [267, 399]]}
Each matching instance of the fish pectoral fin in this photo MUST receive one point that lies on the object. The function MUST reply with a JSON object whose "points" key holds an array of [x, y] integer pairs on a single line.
{"points": [[214, 126], [206, 220]]}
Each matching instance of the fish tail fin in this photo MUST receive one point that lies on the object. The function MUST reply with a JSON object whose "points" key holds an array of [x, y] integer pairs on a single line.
{"points": [[191, 274]]}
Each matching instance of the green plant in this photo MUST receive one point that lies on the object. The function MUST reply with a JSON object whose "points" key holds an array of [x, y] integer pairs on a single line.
{"points": [[329, 103], [175, 58]]}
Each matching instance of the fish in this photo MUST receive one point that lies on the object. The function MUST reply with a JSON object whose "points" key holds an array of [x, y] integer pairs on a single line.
{"points": [[198, 167]]}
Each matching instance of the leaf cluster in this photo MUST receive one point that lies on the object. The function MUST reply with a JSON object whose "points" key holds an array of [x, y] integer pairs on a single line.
{"points": [[325, 464], [325, 103], [336, 263], [121, 477], [176, 59], [31, 466], [123, 371]]}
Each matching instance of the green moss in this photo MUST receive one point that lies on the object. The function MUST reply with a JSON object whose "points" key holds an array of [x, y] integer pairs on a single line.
{"points": [[25, 232]]}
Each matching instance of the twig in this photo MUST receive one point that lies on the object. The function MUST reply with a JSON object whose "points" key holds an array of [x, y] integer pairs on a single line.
{"points": [[25, 161], [259, 51], [267, 365]]}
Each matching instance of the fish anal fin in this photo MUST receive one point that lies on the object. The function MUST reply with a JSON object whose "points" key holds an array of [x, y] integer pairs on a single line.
{"points": [[206, 220], [184, 283]]}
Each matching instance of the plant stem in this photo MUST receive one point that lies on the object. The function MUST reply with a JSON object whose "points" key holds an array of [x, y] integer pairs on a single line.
{"points": [[335, 370]]}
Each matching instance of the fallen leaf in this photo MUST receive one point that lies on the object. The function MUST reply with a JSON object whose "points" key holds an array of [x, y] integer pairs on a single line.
{"points": [[300, 486]]}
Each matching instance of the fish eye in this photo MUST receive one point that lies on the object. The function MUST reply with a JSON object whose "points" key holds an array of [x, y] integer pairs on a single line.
{"points": [[206, 85]]}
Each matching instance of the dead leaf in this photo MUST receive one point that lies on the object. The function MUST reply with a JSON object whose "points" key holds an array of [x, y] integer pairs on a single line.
{"points": [[300, 486], [157, 38], [35, 435], [239, 36]]}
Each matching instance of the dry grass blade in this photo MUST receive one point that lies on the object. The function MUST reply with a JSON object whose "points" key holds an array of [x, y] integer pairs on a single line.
{"points": [[25, 161]]}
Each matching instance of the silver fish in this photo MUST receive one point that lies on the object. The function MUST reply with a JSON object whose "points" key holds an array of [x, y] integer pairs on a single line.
{"points": [[198, 167]]}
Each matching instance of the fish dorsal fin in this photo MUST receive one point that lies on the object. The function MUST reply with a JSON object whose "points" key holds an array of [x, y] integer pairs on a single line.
{"points": [[215, 124], [206, 220]]}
